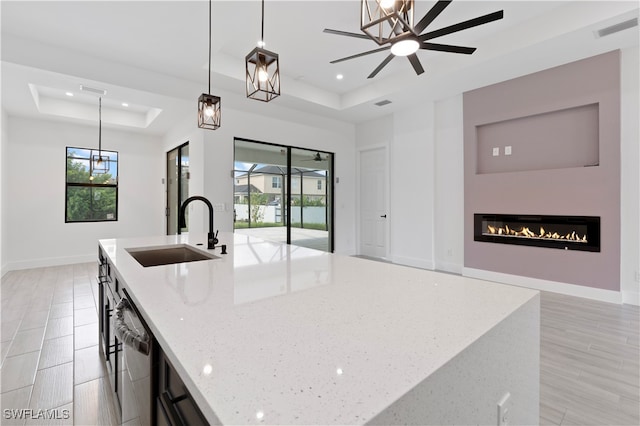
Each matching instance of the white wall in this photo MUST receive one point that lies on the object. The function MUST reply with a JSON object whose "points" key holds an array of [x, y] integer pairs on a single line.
{"points": [[630, 177], [409, 137], [37, 234], [214, 150], [449, 186], [4, 140], [412, 187], [425, 182]]}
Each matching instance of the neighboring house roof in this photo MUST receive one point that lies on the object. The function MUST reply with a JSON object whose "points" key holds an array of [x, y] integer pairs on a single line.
{"points": [[244, 189], [281, 170]]}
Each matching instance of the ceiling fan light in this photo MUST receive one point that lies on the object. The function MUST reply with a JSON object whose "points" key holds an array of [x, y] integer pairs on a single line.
{"points": [[405, 47]]}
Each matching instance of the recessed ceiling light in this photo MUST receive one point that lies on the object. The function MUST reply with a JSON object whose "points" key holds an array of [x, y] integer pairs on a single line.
{"points": [[69, 94], [124, 104], [339, 76]]}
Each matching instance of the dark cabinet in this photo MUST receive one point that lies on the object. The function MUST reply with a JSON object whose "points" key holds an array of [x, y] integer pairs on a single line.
{"points": [[146, 387], [174, 404], [110, 347]]}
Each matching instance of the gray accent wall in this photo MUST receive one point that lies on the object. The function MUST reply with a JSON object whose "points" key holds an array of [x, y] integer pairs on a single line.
{"points": [[563, 127]]}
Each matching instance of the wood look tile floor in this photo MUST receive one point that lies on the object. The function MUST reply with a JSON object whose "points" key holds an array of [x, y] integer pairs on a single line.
{"points": [[589, 355], [50, 359]]}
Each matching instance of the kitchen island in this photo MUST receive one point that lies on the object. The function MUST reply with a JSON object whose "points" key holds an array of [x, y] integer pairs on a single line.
{"points": [[279, 334]]}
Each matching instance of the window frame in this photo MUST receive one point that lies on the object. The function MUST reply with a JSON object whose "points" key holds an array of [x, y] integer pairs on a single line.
{"points": [[276, 182], [91, 186]]}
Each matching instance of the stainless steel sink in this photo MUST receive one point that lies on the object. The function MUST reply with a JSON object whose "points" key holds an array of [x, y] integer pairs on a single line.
{"points": [[156, 256]]}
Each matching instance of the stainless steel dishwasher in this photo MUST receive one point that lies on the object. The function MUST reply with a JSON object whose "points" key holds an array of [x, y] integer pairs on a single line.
{"points": [[137, 343]]}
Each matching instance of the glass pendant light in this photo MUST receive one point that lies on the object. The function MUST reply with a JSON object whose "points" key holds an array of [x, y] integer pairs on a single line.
{"points": [[262, 71], [209, 112]]}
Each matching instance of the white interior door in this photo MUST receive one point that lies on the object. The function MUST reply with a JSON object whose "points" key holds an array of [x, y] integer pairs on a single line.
{"points": [[373, 202]]}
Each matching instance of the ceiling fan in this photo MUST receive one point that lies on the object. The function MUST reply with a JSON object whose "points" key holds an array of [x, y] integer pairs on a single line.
{"points": [[406, 39], [316, 157]]}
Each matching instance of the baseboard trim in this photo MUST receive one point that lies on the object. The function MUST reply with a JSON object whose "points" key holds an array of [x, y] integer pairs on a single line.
{"points": [[631, 298], [454, 268], [49, 261], [544, 285], [413, 262]]}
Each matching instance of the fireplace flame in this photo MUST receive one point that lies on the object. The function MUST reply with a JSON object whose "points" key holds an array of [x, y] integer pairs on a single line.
{"points": [[525, 232]]}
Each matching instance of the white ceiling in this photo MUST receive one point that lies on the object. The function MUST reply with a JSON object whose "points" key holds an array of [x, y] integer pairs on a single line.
{"points": [[153, 55]]}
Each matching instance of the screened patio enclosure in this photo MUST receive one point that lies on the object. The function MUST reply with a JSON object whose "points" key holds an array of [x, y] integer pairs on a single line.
{"points": [[283, 194]]}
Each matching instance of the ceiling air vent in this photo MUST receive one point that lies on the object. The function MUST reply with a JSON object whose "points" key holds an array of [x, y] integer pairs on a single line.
{"points": [[100, 92], [617, 27], [383, 103]]}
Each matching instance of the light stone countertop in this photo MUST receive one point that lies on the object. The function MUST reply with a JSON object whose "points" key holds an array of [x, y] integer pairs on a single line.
{"points": [[279, 334]]}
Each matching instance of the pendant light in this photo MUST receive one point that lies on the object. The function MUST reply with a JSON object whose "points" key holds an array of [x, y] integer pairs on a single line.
{"points": [[99, 163], [262, 71], [384, 21], [209, 113]]}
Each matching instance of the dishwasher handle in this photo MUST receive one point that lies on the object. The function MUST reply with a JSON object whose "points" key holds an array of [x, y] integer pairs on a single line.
{"points": [[140, 342]]}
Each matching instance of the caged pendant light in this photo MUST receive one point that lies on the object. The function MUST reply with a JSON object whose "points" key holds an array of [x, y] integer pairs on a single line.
{"points": [[262, 71], [209, 113], [385, 21], [99, 163]]}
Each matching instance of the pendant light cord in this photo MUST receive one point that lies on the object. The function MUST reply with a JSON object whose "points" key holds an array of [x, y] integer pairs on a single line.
{"points": [[209, 47], [100, 128], [262, 31]]}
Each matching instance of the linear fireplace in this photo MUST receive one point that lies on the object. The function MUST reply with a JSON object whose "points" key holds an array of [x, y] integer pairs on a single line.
{"points": [[561, 232]]}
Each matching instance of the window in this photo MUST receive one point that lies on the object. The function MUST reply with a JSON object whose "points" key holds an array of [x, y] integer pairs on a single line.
{"points": [[276, 182], [319, 184], [91, 189]]}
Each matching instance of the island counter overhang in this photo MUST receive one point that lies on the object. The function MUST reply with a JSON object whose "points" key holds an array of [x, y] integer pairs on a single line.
{"points": [[279, 334]]}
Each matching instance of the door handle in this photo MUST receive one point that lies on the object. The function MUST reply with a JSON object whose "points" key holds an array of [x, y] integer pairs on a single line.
{"points": [[383, 215]]}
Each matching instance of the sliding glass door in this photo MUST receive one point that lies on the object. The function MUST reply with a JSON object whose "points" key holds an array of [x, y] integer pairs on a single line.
{"points": [[311, 195], [284, 194]]}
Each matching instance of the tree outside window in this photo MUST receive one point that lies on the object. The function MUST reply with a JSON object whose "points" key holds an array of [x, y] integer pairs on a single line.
{"points": [[91, 192]]}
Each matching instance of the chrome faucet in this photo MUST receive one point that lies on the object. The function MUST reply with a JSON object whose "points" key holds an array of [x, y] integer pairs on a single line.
{"points": [[212, 239]]}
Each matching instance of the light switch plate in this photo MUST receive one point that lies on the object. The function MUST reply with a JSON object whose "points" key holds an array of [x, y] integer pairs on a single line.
{"points": [[496, 151], [507, 150]]}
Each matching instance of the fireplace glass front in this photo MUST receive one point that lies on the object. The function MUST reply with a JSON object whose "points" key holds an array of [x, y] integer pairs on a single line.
{"points": [[562, 232]]}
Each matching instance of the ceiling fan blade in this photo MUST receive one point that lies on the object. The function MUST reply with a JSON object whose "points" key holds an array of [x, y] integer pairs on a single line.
{"points": [[415, 62], [463, 25], [447, 48], [431, 15], [360, 54], [345, 33], [382, 65]]}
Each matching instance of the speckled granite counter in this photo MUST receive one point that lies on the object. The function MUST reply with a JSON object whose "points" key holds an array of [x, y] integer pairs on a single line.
{"points": [[277, 334]]}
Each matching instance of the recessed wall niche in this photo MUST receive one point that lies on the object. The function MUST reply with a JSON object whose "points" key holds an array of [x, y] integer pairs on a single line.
{"points": [[550, 140]]}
